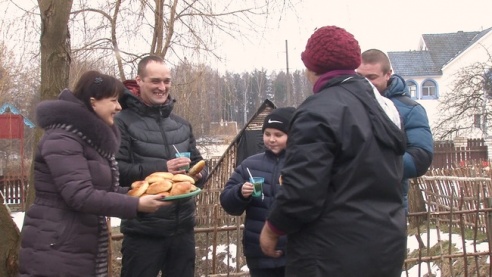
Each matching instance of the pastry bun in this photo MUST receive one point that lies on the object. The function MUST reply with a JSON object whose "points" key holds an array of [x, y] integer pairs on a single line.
{"points": [[138, 188], [159, 186], [183, 178], [180, 188], [162, 175], [193, 188], [197, 168]]}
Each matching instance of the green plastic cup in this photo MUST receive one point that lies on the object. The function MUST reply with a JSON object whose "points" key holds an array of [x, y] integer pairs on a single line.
{"points": [[257, 186]]}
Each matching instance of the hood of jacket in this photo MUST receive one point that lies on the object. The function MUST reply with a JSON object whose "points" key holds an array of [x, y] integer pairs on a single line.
{"points": [[385, 131], [68, 112], [396, 86]]}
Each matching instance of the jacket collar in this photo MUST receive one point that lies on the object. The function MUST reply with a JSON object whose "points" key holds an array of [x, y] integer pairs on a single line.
{"points": [[130, 101], [71, 114], [396, 86], [326, 78]]}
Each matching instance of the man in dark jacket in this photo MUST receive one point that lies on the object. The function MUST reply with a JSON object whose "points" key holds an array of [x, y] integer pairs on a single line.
{"points": [[340, 202], [420, 145], [150, 136]]}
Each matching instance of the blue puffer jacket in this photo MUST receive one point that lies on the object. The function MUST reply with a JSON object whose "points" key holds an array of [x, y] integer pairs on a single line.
{"points": [[267, 165], [420, 144]]}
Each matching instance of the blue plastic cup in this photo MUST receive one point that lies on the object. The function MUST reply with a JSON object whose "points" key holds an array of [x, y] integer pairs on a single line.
{"points": [[184, 154]]}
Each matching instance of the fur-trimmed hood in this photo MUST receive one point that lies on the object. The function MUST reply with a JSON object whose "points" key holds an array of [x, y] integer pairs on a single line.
{"points": [[71, 114]]}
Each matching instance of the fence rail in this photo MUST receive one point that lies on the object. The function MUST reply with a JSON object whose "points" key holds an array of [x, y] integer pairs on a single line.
{"points": [[448, 155], [13, 189]]}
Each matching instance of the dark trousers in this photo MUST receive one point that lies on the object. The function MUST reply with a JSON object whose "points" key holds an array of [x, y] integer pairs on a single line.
{"points": [[145, 257], [267, 272]]}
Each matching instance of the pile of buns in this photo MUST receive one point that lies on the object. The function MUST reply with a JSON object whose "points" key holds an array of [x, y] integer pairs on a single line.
{"points": [[166, 183]]}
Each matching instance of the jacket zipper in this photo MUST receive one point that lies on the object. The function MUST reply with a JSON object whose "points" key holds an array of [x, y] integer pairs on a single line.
{"points": [[168, 154]]}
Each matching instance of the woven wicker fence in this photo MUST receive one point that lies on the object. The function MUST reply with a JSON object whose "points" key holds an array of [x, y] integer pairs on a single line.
{"points": [[452, 205]]}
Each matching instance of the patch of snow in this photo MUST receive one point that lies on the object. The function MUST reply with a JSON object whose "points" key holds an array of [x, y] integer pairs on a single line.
{"points": [[18, 218], [424, 269], [115, 221]]}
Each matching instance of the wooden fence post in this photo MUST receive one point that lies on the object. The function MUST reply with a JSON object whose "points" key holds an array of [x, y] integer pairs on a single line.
{"points": [[416, 203], [488, 202]]}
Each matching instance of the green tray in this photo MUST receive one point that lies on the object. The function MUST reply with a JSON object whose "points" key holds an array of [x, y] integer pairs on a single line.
{"points": [[182, 196]]}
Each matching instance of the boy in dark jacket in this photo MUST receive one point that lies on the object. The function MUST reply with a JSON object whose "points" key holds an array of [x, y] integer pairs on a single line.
{"points": [[238, 197]]}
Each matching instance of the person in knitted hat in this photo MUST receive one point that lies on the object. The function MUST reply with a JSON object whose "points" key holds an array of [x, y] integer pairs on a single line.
{"points": [[331, 48], [238, 195], [340, 203]]}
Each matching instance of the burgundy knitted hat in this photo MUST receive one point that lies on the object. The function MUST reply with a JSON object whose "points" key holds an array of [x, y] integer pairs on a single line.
{"points": [[331, 48]]}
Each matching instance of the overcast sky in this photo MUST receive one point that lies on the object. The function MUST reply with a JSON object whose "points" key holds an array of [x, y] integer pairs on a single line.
{"points": [[384, 24], [389, 25]]}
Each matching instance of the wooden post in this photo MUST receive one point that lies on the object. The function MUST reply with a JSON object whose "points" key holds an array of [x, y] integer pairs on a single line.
{"points": [[488, 202], [110, 247]]}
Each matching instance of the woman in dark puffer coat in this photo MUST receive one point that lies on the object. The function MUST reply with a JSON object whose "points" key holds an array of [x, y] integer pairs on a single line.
{"points": [[76, 182]]}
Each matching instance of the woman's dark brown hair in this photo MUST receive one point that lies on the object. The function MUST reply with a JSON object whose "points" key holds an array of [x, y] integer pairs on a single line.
{"points": [[97, 85]]}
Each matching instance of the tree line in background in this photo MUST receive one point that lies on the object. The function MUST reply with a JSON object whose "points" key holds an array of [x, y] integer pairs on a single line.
{"points": [[203, 94]]}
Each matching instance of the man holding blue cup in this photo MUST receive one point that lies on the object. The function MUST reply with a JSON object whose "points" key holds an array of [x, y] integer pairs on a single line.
{"points": [[183, 158], [152, 138]]}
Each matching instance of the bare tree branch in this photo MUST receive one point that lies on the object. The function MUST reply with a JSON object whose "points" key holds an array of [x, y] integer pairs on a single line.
{"points": [[468, 100]]}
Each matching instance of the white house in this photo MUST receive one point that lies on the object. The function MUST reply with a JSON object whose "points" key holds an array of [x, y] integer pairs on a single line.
{"points": [[431, 70]]}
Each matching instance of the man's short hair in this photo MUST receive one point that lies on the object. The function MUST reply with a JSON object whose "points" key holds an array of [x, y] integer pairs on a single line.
{"points": [[373, 56], [142, 65]]}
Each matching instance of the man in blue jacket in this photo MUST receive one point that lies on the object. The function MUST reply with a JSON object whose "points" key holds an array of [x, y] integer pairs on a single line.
{"points": [[376, 67]]}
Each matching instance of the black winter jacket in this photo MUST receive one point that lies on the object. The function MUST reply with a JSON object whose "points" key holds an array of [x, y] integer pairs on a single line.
{"points": [[148, 134], [266, 165], [341, 199]]}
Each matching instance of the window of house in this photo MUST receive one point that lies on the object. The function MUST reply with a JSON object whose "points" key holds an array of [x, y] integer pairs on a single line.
{"points": [[412, 87], [476, 121], [429, 90], [487, 86]]}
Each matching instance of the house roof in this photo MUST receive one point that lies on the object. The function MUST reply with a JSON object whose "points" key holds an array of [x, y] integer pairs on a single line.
{"points": [[437, 50], [6, 108], [413, 63]]}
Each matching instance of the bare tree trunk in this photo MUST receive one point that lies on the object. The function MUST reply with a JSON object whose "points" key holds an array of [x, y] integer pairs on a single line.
{"points": [[55, 58], [55, 46], [9, 243]]}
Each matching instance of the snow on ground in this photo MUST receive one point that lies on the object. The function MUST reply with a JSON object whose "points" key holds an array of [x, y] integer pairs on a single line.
{"points": [[412, 244], [18, 218]]}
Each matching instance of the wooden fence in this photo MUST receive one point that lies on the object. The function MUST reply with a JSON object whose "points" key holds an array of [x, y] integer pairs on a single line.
{"points": [[13, 189], [448, 155], [443, 204], [454, 206]]}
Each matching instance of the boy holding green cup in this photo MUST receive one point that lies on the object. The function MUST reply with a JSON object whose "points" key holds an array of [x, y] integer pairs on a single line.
{"points": [[252, 188]]}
